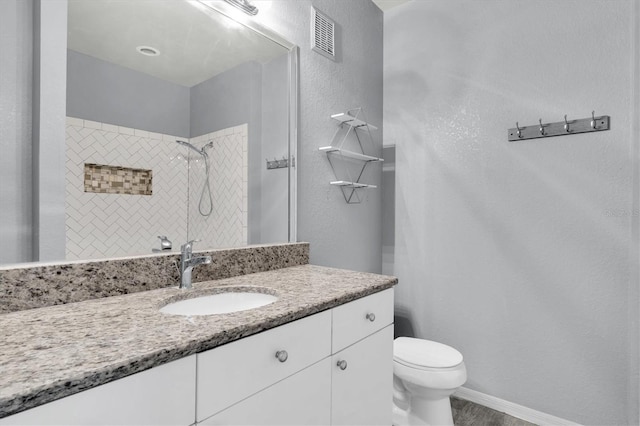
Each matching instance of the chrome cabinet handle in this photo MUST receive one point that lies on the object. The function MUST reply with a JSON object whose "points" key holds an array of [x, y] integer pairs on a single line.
{"points": [[371, 316], [282, 356], [342, 364]]}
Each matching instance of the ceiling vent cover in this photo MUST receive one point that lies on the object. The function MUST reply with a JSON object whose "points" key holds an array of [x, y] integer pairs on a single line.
{"points": [[323, 34]]}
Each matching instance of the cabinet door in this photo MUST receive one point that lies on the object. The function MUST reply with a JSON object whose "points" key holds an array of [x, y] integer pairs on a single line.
{"points": [[302, 399], [231, 373], [362, 391], [164, 395]]}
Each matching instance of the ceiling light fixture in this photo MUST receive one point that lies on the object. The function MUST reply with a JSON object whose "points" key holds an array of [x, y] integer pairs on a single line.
{"points": [[148, 50], [245, 6]]}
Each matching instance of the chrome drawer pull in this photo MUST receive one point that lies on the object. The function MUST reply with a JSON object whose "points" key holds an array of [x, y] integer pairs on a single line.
{"points": [[342, 364], [282, 356], [371, 316]]}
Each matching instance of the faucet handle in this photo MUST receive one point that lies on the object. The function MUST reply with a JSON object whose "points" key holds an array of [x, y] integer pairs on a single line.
{"points": [[189, 245]]}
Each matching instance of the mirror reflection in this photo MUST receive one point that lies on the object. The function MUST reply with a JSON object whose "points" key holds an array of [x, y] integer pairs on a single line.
{"points": [[171, 111]]}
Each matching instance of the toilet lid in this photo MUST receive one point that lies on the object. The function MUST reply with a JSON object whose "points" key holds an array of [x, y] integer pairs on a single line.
{"points": [[419, 353]]}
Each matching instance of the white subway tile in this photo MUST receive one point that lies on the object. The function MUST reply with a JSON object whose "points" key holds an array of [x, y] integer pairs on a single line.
{"points": [[155, 136], [72, 121], [126, 130], [110, 128], [92, 124]]}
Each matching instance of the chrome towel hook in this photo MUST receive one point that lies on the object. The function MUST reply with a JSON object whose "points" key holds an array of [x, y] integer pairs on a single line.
{"points": [[519, 130], [593, 120], [541, 127], [566, 124]]}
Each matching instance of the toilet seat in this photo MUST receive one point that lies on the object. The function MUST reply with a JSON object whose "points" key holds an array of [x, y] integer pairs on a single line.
{"points": [[425, 354]]}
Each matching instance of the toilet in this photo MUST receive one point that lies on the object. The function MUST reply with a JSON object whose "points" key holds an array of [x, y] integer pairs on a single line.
{"points": [[425, 374]]}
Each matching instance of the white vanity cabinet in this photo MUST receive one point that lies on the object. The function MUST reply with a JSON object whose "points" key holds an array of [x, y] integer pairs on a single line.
{"points": [[162, 395], [351, 385], [230, 373], [361, 393], [362, 361], [302, 399], [334, 367]]}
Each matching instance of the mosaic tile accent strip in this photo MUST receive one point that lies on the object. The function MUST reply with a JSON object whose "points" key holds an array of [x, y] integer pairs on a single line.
{"points": [[103, 179], [39, 286]]}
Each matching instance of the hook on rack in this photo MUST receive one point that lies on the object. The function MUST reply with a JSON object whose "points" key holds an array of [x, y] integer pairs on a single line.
{"points": [[559, 128], [278, 164]]}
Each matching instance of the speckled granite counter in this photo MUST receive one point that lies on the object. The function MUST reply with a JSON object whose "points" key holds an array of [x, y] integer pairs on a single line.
{"points": [[52, 352], [31, 286]]}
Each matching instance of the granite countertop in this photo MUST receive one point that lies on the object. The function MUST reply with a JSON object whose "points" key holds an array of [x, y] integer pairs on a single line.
{"points": [[56, 351]]}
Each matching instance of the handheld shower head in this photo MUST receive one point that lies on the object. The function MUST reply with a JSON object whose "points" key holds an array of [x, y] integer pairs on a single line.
{"points": [[199, 151], [188, 145]]}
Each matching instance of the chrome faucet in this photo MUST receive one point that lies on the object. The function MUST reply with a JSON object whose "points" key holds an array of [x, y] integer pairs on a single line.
{"points": [[187, 262]]}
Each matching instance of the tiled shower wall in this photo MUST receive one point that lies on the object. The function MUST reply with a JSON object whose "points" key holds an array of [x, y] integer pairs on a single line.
{"points": [[109, 225], [226, 226]]}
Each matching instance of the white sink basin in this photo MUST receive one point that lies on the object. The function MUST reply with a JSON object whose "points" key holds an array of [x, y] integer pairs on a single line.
{"points": [[220, 303]]}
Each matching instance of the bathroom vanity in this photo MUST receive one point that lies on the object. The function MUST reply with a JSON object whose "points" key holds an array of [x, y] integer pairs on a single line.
{"points": [[320, 354]]}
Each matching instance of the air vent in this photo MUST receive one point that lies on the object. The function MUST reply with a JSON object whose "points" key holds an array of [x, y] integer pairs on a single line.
{"points": [[322, 34]]}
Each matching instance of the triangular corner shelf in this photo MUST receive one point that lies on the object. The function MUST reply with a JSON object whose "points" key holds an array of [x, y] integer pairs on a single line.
{"points": [[352, 124]]}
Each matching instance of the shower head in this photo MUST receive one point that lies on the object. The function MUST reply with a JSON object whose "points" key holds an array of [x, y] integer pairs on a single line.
{"points": [[199, 151]]}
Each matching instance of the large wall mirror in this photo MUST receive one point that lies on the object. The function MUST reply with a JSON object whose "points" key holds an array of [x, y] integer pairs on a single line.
{"points": [[174, 111]]}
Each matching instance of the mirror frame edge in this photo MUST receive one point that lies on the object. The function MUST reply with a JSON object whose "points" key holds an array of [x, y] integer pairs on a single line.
{"points": [[294, 83]]}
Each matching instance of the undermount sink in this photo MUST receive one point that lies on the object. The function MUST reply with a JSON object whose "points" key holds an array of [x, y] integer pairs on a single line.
{"points": [[219, 303]]}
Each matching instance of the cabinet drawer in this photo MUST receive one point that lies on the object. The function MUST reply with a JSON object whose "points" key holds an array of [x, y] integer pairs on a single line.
{"points": [[239, 369], [356, 320], [302, 399]]}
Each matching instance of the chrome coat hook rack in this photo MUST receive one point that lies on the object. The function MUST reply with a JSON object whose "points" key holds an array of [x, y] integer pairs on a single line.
{"points": [[279, 164], [559, 128]]}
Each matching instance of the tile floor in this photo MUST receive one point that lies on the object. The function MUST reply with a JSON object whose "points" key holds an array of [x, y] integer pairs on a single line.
{"points": [[467, 413]]}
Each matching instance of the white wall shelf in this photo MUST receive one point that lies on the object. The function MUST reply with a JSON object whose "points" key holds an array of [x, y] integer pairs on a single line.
{"points": [[352, 121], [351, 184], [349, 154], [347, 144]]}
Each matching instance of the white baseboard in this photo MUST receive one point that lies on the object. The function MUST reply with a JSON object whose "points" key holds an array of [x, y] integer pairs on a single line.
{"points": [[515, 410]]}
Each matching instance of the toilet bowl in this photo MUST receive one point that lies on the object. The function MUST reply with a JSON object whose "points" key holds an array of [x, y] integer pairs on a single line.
{"points": [[425, 374]]}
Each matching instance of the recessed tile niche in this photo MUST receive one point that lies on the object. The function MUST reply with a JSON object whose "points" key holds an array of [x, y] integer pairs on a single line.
{"points": [[104, 179]]}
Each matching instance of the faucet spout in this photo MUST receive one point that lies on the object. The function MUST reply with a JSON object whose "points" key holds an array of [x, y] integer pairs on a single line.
{"points": [[188, 262]]}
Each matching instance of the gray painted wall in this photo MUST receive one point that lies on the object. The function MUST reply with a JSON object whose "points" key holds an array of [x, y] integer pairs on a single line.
{"points": [[16, 74], [341, 235], [101, 91], [520, 255], [274, 211], [226, 100]]}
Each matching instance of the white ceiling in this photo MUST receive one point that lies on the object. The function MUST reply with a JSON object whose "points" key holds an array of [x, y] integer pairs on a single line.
{"points": [[195, 42], [388, 4]]}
